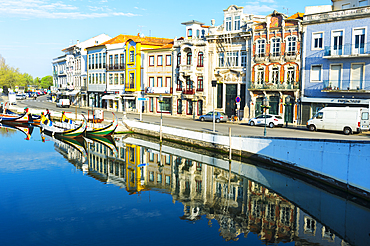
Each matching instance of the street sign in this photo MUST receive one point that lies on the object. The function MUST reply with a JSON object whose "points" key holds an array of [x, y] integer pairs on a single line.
{"points": [[237, 99], [143, 99], [142, 165]]}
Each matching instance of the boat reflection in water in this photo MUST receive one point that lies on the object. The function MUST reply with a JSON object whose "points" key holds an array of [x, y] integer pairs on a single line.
{"points": [[24, 128], [239, 197]]}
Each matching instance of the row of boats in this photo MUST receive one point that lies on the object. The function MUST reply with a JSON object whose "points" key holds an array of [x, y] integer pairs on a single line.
{"points": [[65, 127]]}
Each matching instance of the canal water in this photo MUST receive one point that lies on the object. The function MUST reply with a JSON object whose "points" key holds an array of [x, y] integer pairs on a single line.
{"points": [[129, 190]]}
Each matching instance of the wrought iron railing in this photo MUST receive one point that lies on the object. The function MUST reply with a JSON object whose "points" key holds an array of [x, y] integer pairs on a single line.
{"points": [[347, 50], [272, 86], [346, 85]]}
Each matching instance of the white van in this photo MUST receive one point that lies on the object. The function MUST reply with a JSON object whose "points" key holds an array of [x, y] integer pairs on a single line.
{"points": [[63, 103], [344, 119]]}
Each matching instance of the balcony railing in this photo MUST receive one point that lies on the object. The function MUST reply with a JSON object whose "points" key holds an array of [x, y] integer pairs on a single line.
{"points": [[120, 66], [178, 88], [275, 56], [271, 86], [350, 50], [185, 67], [259, 57], [357, 86], [199, 89], [158, 90], [291, 55], [344, 13], [188, 91]]}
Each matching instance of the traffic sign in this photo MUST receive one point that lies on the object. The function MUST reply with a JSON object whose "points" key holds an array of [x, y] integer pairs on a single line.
{"points": [[143, 99], [237, 99]]}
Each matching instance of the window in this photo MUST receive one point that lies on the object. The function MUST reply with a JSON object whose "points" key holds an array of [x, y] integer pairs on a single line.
{"points": [[189, 84], [168, 180], [316, 73], [309, 225], [221, 59], [188, 58], [179, 85], [203, 33], [200, 83], [151, 176], [116, 78], [275, 43], [335, 76], [337, 43], [111, 79], [200, 107], [178, 59], [260, 47], [317, 40], [89, 61], [92, 62], [237, 23], [260, 76], [228, 23], [200, 59], [291, 45], [122, 78], [359, 41], [96, 61], [104, 81], [165, 106], [190, 32], [179, 106], [159, 178], [198, 34], [159, 60], [122, 60], [99, 60], [151, 61], [357, 76], [104, 60], [168, 60], [100, 78], [111, 61], [168, 82], [132, 55], [116, 61], [151, 106], [244, 58], [275, 75], [232, 59], [346, 6], [159, 82], [362, 3], [151, 81], [132, 81], [290, 75]]}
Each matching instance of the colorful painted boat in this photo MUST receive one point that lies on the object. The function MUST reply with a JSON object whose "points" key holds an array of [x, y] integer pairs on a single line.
{"points": [[103, 131], [16, 118], [62, 128], [35, 118], [26, 129]]}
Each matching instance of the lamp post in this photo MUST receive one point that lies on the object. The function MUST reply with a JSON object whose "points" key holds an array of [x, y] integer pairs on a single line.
{"points": [[214, 84], [160, 128], [264, 107]]}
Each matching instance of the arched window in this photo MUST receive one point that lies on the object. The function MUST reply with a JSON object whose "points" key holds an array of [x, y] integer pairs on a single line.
{"points": [[200, 59], [290, 75], [188, 58], [178, 59]]}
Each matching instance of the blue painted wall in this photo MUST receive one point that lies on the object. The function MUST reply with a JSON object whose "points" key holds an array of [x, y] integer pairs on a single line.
{"points": [[315, 57]]}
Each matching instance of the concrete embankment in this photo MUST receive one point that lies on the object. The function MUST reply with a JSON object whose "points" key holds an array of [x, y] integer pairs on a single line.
{"points": [[342, 164]]}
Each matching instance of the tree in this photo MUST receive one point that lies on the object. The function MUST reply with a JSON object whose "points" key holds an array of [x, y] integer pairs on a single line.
{"points": [[46, 82]]}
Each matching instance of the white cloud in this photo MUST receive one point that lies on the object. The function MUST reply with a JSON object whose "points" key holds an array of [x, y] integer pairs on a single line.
{"points": [[257, 8], [52, 9]]}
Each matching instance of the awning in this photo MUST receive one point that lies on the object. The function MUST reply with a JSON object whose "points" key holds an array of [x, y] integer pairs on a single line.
{"points": [[110, 97], [74, 92]]}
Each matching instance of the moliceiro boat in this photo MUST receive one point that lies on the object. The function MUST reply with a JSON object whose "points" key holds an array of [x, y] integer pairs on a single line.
{"points": [[66, 128], [102, 130]]}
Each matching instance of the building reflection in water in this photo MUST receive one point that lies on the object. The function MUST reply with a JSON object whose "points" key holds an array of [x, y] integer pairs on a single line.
{"points": [[239, 205]]}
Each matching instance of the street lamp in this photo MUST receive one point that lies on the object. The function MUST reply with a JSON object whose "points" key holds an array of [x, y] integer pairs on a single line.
{"points": [[214, 84], [160, 108], [264, 107]]}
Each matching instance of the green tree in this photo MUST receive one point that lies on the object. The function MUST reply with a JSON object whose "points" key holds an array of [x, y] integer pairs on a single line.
{"points": [[46, 81]]}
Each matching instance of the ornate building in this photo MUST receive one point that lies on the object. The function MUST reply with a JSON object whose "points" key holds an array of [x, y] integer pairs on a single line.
{"points": [[275, 65]]}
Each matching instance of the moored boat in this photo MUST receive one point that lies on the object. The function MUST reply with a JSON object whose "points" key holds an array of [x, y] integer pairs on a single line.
{"points": [[102, 131], [65, 129], [16, 118]]}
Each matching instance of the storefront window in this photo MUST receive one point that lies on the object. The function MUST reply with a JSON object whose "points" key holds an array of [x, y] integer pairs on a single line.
{"points": [[166, 105]]}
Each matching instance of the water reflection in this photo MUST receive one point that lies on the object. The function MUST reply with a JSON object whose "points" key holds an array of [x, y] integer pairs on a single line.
{"points": [[9, 129], [210, 189]]}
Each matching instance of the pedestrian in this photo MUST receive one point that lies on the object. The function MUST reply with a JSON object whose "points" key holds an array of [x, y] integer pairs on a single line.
{"points": [[2, 108], [47, 115]]}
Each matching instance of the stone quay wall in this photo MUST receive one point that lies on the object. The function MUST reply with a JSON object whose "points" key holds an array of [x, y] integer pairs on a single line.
{"points": [[343, 164]]}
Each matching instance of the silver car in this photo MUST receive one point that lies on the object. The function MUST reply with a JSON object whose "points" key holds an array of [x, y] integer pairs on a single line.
{"points": [[219, 116]]}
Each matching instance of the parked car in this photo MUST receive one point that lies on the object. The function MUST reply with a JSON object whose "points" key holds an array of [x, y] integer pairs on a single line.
{"points": [[20, 96], [271, 120], [219, 116]]}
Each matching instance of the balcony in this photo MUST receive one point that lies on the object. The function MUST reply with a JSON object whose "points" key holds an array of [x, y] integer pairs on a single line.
{"points": [[260, 57], [275, 57], [347, 51], [199, 89], [113, 67], [185, 67], [353, 86], [351, 13], [291, 55], [271, 86], [188, 91]]}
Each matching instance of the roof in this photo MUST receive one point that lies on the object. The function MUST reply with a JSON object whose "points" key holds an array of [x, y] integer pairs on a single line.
{"points": [[138, 39], [65, 49], [192, 22], [296, 16]]}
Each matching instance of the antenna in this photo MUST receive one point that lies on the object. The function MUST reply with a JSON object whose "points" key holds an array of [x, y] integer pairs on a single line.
{"points": [[287, 10]]}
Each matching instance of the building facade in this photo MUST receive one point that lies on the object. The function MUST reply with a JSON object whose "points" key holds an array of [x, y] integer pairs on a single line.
{"points": [[336, 58], [275, 66]]}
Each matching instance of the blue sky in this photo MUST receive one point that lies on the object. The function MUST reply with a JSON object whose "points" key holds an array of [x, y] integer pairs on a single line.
{"points": [[33, 32]]}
